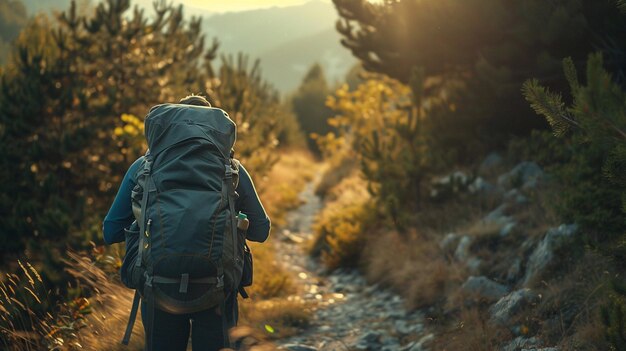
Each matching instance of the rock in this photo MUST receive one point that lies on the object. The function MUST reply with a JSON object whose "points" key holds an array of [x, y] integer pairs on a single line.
{"points": [[462, 250], [449, 242], [509, 305], [542, 349], [325, 328], [481, 186], [515, 270], [543, 255], [525, 175], [423, 342], [390, 344], [514, 196], [473, 265], [484, 288], [449, 185], [490, 163], [369, 338], [404, 327], [298, 347], [507, 228], [498, 216], [522, 342]]}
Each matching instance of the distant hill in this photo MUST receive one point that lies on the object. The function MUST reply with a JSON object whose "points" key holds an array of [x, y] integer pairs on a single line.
{"points": [[46, 6], [286, 64], [288, 40]]}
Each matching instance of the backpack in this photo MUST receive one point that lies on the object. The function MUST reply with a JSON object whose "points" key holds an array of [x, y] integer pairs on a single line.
{"points": [[189, 252]]}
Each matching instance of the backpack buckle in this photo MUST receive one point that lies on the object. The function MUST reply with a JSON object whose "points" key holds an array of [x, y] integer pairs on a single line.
{"points": [[229, 171], [148, 280], [220, 281]]}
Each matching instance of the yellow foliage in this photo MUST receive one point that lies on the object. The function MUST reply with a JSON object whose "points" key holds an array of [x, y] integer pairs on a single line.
{"points": [[341, 225]]}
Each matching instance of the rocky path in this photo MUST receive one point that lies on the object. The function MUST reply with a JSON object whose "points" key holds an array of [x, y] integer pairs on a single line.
{"points": [[348, 314]]}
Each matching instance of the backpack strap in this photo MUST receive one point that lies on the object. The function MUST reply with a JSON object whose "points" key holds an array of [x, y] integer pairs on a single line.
{"points": [[131, 319], [149, 186], [228, 189], [224, 324]]}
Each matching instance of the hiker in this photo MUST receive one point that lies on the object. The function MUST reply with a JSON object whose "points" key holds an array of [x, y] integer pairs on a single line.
{"points": [[208, 327]]}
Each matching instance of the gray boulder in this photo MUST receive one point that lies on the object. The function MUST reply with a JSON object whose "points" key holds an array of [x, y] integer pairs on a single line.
{"points": [[473, 265], [514, 270], [507, 228], [522, 343], [514, 196], [423, 342], [463, 248], [508, 306], [368, 340], [498, 216], [449, 243], [483, 288], [490, 163], [543, 255], [449, 185], [525, 175], [481, 186]]}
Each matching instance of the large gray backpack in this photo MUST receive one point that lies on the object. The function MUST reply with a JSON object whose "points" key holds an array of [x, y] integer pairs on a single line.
{"points": [[190, 254]]}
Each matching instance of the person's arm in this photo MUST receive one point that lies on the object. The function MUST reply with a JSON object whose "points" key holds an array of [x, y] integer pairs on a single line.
{"points": [[250, 204], [120, 214]]}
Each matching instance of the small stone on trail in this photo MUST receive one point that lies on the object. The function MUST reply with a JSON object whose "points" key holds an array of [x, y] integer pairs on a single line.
{"points": [[298, 347]]}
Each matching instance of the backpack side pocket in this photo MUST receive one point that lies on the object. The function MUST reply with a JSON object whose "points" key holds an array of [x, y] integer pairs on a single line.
{"points": [[131, 236], [246, 278]]}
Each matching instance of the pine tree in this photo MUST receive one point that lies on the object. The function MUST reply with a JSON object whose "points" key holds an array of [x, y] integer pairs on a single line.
{"points": [[595, 123], [61, 98], [309, 104], [477, 53]]}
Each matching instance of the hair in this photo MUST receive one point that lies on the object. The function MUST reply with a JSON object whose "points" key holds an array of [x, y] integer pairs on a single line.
{"points": [[196, 100]]}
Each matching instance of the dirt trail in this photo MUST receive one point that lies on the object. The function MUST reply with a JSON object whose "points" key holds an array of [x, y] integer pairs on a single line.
{"points": [[348, 313]]}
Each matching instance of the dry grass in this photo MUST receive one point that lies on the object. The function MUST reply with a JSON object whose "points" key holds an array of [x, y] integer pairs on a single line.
{"points": [[570, 308], [412, 266], [471, 332], [279, 190], [270, 278], [275, 318], [32, 321], [111, 304]]}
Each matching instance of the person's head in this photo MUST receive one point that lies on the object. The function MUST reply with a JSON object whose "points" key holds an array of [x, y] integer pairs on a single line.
{"points": [[196, 100]]}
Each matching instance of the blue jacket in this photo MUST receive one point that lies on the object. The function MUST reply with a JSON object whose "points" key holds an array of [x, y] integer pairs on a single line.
{"points": [[120, 214]]}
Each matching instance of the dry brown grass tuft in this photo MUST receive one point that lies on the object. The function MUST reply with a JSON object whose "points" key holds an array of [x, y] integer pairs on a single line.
{"points": [[413, 266], [111, 305], [471, 333], [570, 308]]}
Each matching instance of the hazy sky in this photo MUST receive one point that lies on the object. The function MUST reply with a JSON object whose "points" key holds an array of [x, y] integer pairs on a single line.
{"points": [[239, 5]]}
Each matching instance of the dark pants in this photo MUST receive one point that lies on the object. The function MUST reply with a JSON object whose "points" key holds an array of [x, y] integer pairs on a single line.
{"points": [[171, 331]]}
